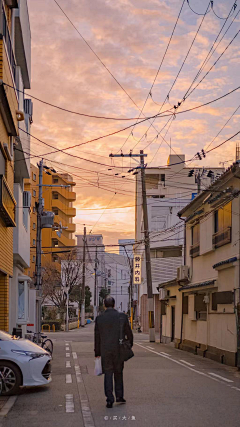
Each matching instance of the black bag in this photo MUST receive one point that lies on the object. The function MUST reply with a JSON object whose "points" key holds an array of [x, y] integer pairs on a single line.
{"points": [[125, 349]]}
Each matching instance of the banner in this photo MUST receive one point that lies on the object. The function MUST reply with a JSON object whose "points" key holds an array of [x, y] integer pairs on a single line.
{"points": [[137, 277]]}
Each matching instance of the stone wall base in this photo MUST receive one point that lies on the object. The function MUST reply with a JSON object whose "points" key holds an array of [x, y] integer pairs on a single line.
{"points": [[222, 356]]}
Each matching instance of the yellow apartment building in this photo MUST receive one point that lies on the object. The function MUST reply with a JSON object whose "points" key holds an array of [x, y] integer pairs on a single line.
{"points": [[58, 200], [8, 133]]}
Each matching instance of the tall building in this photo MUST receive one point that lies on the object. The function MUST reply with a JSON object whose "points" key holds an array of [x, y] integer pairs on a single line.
{"points": [[58, 197], [15, 75], [168, 189], [128, 244]]}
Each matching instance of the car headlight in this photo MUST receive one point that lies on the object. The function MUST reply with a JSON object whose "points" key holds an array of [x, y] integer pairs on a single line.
{"points": [[30, 354]]}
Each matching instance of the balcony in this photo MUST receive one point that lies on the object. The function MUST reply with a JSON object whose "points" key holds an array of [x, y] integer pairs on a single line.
{"points": [[70, 195], [56, 203], [63, 240], [7, 203], [222, 237], [71, 228], [195, 250]]}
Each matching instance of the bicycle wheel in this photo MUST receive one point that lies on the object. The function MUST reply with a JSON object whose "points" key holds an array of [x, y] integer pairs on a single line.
{"points": [[48, 346]]}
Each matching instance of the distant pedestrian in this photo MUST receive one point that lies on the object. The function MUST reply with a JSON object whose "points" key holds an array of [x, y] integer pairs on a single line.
{"points": [[107, 333]]}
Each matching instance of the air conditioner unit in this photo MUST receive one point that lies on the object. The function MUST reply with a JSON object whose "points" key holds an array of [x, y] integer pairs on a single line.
{"points": [[183, 273], [27, 199], [162, 294]]}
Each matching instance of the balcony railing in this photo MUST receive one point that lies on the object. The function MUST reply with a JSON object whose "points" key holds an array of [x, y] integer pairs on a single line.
{"points": [[222, 237], [7, 203], [7, 38], [195, 250]]}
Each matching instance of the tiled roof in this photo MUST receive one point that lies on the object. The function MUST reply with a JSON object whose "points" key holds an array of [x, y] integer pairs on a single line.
{"points": [[227, 261], [197, 285]]}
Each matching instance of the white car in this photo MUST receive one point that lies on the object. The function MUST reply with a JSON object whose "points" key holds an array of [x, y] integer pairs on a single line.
{"points": [[22, 363]]}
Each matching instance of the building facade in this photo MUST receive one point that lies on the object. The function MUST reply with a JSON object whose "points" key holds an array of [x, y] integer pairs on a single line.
{"points": [[15, 120], [58, 197], [168, 190], [201, 307]]}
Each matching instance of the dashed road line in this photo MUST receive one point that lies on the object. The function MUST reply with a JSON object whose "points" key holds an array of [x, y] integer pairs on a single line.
{"points": [[222, 378], [67, 354], [69, 403], [68, 378], [67, 348], [8, 405], [74, 355], [187, 363], [68, 364], [236, 388], [149, 347], [165, 354], [78, 373]]}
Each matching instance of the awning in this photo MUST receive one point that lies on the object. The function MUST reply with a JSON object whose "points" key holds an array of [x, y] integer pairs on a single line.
{"points": [[197, 285]]}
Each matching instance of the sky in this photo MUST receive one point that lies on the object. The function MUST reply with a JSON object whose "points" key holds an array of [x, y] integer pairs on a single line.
{"points": [[130, 38]]}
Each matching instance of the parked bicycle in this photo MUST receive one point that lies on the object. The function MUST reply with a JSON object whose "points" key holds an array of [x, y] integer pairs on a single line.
{"points": [[42, 340]]}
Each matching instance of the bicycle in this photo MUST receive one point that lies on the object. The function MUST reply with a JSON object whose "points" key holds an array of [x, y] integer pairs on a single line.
{"points": [[45, 342]]}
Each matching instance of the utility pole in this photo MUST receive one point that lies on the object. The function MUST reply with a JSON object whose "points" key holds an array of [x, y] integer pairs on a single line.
{"points": [[83, 280], [147, 254], [39, 253], [146, 241], [95, 285]]}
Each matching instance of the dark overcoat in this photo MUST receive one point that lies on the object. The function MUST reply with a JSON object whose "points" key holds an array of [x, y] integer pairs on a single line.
{"points": [[107, 333]]}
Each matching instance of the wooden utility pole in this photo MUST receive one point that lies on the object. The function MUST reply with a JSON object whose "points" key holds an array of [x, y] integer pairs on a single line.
{"points": [[83, 280], [147, 254], [95, 285], [146, 242]]}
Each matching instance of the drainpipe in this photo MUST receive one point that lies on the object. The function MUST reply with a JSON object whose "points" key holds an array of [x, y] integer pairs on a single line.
{"points": [[184, 261]]}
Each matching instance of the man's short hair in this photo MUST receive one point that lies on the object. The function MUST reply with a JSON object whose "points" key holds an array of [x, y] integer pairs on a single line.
{"points": [[109, 302]]}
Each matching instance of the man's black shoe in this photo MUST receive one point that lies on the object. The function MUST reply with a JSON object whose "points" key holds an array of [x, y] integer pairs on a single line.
{"points": [[109, 404], [120, 400]]}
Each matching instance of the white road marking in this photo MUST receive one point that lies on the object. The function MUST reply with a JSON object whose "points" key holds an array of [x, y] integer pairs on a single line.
{"points": [[68, 364], [187, 363], [67, 354], [67, 348], [222, 378], [183, 364], [165, 354], [149, 347], [8, 405], [235, 388], [68, 378], [69, 403], [78, 373], [74, 355]]}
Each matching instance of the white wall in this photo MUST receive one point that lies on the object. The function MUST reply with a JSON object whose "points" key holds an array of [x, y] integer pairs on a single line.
{"points": [[21, 235]]}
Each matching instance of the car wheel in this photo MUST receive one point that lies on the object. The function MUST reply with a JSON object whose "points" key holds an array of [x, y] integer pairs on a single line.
{"points": [[11, 378]]}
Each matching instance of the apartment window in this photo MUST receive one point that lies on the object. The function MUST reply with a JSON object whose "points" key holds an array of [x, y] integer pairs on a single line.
{"points": [[54, 258], [55, 211], [55, 196], [34, 209], [109, 273], [34, 177], [195, 248], [200, 307], [34, 242], [55, 180], [34, 193], [222, 225], [34, 226], [33, 258]]}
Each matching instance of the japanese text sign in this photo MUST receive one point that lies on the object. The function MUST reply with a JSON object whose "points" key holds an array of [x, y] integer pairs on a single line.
{"points": [[137, 270]]}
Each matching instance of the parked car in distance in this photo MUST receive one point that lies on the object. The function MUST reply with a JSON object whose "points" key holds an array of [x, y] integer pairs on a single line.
{"points": [[22, 363]]}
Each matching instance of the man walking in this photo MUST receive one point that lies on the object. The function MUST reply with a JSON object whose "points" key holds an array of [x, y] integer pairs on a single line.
{"points": [[107, 332]]}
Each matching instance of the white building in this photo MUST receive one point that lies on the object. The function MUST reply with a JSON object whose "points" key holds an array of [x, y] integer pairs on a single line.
{"points": [[20, 294], [168, 189], [112, 270], [128, 244]]}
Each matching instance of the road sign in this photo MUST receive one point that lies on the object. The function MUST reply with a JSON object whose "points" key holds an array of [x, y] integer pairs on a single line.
{"points": [[137, 276]]}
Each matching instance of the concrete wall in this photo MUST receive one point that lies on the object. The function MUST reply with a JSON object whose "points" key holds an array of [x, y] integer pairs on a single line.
{"points": [[21, 234]]}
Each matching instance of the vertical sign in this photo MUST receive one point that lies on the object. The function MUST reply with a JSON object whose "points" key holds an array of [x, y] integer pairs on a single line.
{"points": [[137, 270]]}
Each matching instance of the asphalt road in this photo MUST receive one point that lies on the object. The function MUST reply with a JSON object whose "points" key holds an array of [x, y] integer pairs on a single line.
{"points": [[163, 387]]}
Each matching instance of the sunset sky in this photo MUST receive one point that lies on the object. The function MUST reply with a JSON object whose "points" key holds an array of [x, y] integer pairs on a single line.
{"points": [[130, 37]]}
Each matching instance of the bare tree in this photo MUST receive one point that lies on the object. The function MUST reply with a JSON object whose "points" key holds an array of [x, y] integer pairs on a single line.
{"points": [[56, 277]]}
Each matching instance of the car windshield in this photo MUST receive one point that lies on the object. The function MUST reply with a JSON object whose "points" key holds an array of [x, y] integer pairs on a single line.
{"points": [[5, 337]]}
